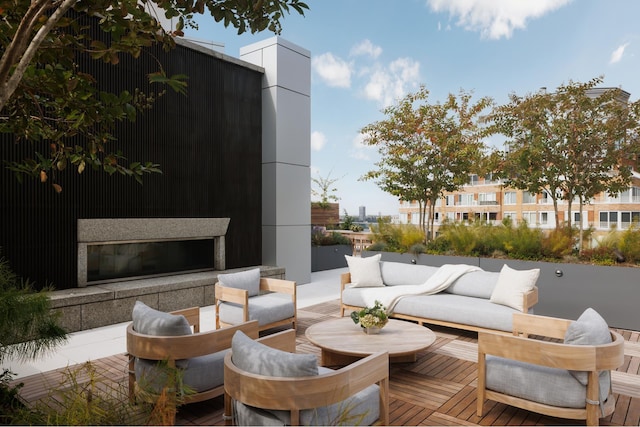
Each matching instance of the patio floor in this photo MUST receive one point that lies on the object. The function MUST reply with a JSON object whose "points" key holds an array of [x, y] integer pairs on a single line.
{"points": [[438, 389]]}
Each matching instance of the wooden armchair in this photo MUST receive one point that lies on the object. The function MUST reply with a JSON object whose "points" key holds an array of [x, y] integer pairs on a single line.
{"points": [[236, 305], [541, 376], [345, 396], [200, 353]]}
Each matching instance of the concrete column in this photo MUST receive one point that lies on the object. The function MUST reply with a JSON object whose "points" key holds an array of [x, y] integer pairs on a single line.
{"points": [[286, 154]]}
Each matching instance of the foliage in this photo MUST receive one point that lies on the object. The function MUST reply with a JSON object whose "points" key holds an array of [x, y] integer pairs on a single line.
{"points": [[325, 190], [427, 149], [28, 327], [319, 237], [572, 144], [371, 316], [396, 237], [48, 101]]}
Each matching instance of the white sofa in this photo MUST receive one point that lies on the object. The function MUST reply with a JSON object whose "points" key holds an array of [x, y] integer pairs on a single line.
{"points": [[477, 300]]}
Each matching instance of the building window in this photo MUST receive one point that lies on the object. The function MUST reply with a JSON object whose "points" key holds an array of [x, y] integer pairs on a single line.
{"points": [[486, 197], [450, 200], [510, 198], [512, 216], [628, 218], [544, 218], [473, 179], [576, 217], [608, 219], [528, 198], [465, 199], [438, 203], [530, 217], [635, 195]]}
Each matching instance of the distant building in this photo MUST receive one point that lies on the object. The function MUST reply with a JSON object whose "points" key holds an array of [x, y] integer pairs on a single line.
{"points": [[363, 213]]}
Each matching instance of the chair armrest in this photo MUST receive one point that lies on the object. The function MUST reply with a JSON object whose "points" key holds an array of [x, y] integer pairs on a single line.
{"points": [[283, 340], [530, 324], [278, 285], [185, 346], [530, 299], [552, 354], [345, 279], [192, 314], [224, 293]]}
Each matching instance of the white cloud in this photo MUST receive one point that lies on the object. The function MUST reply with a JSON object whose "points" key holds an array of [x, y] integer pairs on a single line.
{"points": [[617, 54], [495, 18], [388, 84], [366, 48], [333, 70], [318, 141]]}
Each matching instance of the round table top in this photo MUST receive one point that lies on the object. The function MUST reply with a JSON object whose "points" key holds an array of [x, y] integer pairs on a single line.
{"points": [[342, 336]]}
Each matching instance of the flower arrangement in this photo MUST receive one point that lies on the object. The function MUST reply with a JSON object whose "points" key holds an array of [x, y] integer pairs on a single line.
{"points": [[368, 317]]}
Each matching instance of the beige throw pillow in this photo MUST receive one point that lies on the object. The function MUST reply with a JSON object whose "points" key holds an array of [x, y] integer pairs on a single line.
{"points": [[365, 272], [512, 285]]}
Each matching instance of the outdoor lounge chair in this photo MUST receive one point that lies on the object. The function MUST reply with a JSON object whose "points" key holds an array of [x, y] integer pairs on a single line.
{"points": [[155, 338], [244, 296], [275, 386], [567, 378]]}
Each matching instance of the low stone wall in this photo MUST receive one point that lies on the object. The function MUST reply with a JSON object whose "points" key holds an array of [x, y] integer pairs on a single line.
{"points": [[111, 303]]}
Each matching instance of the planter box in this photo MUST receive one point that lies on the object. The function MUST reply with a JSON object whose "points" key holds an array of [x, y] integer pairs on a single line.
{"points": [[565, 290], [329, 257]]}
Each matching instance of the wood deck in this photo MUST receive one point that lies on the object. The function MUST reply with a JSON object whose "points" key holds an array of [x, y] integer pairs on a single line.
{"points": [[438, 389]]}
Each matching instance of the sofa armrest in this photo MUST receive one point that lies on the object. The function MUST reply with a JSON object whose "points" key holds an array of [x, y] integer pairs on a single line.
{"points": [[530, 299], [345, 279]]}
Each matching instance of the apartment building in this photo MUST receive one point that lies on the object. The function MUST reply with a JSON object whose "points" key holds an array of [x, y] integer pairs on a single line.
{"points": [[490, 200]]}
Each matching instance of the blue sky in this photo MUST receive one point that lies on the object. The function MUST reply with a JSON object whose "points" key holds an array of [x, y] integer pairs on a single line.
{"points": [[367, 54]]}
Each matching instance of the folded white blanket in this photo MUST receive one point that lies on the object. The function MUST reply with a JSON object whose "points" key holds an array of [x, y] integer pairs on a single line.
{"points": [[441, 279]]}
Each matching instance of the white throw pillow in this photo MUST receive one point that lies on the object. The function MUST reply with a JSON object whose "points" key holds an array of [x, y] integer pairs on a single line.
{"points": [[512, 285], [365, 272]]}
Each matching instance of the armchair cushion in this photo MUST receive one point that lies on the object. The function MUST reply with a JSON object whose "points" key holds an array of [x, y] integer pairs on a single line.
{"points": [[512, 285], [589, 329], [541, 384], [267, 308], [365, 272], [248, 280], [149, 321], [254, 357]]}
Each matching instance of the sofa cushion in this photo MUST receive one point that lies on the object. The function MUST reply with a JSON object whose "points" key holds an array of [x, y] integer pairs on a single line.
{"points": [[542, 384], [257, 358], [149, 321], [512, 285], [477, 284], [589, 329], [365, 272], [267, 308], [362, 408], [399, 273], [248, 280]]}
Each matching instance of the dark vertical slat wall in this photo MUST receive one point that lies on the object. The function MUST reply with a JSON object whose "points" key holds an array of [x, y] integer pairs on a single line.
{"points": [[208, 145]]}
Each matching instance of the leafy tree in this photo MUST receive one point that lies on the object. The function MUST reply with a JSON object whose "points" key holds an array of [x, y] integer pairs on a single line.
{"points": [[427, 149], [46, 99], [572, 144]]}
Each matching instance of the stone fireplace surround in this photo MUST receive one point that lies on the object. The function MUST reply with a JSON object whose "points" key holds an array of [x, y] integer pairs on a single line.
{"points": [[87, 307]]}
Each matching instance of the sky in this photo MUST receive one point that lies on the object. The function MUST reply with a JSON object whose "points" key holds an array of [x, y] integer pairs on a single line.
{"points": [[366, 55]]}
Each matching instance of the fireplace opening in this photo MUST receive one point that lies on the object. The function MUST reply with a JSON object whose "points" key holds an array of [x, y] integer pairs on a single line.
{"points": [[126, 260]]}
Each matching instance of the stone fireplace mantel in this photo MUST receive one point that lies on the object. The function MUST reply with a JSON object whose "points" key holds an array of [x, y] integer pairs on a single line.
{"points": [[115, 230]]}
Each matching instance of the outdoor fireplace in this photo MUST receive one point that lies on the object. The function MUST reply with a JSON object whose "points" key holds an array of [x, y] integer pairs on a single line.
{"points": [[121, 249]]}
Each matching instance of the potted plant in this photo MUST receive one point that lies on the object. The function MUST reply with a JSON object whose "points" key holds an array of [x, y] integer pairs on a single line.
{"points": [[371, 319]]}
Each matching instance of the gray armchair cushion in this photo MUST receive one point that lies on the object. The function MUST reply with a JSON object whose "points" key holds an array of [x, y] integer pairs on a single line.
{"points": [[362, 408], [541, 384], [589, 329], [149, 321], [254, 357], [248, 280], [267, 308]]}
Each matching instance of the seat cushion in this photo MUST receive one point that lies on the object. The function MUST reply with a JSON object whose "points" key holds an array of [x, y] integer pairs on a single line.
{"points": [[198, 373], [248, 280], [541, 384], [267, 308], [149, 321], [363, 408]]}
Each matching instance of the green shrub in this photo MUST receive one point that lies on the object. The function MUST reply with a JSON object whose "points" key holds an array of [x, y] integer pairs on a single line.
{"points": [[558, 243], [397, 237], [321, 238], [629, 244]]}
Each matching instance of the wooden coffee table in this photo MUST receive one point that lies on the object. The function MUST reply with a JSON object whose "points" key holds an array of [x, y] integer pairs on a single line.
{"points": [[342, 341]]}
